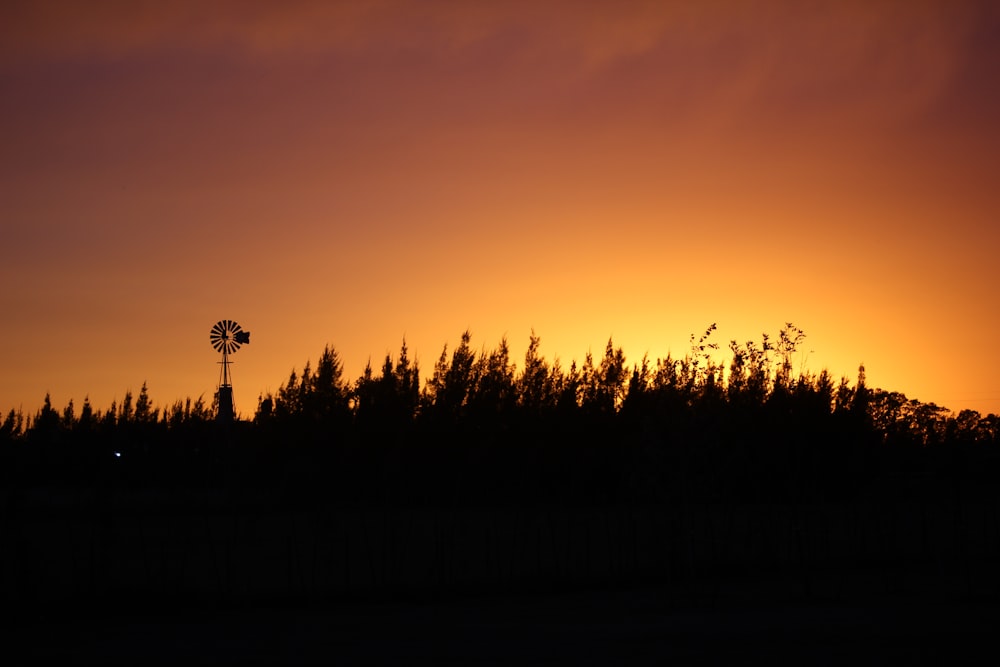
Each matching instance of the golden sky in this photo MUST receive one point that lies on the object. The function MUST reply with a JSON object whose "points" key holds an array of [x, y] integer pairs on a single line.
{"points": [[353, 173]]}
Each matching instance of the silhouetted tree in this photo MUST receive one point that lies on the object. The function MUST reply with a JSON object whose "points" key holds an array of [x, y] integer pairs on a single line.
{"points": [[493, 394], [69, 416], [87, 420], [46, 426], [126, 412], [534, 387], [287, 403], [482, 430], [611, 379], [448, 389], [388, 403], [145, 414], [325, 393], [407, 384]]}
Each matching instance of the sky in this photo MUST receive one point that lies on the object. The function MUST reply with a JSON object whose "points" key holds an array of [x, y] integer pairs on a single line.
{"points": [[354, 174]]}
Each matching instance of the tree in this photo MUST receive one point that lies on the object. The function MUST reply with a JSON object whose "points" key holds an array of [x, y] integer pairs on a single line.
{"points": [[638, 393], [448, 389], [46, 426], [749, 372], [568, 387], [789, 339], [605, 385], [534, 384], [861, 395], [407, 383], [69, 415], [325, 394], [12, 426], [493, 392], [125, 411], [288, 401], [144, 412], [389, 401], [87, 417]]}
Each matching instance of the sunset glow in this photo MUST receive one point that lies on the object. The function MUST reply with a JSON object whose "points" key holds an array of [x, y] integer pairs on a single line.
{"points": [[358, 173]]}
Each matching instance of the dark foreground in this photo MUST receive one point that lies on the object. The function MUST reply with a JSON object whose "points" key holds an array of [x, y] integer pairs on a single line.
{"points": [[136, 582], [715, 624]]}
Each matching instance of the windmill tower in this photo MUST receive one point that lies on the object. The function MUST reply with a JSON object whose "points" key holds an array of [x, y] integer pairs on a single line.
{"points": [[226, 337]]}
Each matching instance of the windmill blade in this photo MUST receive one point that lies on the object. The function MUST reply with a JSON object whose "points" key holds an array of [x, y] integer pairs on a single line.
{"points": [[227, 336]]}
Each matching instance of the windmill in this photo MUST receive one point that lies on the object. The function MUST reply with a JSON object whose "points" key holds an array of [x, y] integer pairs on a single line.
{"points": [[226, 337]]}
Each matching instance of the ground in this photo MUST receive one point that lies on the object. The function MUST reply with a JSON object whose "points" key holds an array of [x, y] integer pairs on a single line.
{"points": [[599, 627]]}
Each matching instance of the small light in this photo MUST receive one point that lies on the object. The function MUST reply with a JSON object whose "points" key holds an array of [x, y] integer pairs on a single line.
{"points": [[118, 455]]}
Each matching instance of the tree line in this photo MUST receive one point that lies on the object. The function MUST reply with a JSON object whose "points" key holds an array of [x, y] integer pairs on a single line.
{"points": [[482, 428]]}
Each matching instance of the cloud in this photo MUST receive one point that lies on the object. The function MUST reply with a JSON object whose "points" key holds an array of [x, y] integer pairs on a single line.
{"points": [[599, 30]]}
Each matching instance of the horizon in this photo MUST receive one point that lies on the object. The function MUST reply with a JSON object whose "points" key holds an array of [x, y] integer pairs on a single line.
{"points": [[720, 355]]}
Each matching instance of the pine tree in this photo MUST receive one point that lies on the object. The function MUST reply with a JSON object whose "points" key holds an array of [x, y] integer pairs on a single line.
{"points": [[126, 412], [144, 412]]}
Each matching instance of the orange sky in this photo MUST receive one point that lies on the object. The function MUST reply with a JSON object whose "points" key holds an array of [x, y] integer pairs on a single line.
{"points": [[353, 173]]}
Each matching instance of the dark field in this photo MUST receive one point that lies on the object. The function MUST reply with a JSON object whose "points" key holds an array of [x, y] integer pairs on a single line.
{"points": [[203, 580], [628, 626]]}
